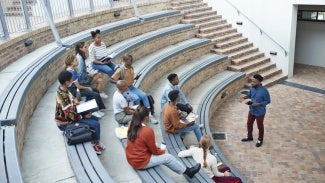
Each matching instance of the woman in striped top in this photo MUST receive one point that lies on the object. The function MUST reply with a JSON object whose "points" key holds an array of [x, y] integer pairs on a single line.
{"points": [[97, 51]]}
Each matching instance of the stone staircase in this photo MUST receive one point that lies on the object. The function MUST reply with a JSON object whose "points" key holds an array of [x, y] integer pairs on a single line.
{"points": [[244, 56]]}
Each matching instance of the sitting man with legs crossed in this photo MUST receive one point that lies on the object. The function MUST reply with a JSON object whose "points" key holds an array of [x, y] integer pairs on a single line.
{"points": [[172, 122], [126, 73], [122, 110]]}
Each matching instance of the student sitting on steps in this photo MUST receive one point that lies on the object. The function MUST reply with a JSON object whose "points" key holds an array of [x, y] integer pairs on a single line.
{"points": [[126, 72], [142, 152]]}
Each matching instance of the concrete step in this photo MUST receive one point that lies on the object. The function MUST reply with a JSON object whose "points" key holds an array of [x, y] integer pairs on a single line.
{"points": [[271, 81], [218, 33], [211, 23], [213, 28], [227, 37], [252, 66], [190, 6], [271, 73], [231, 42], [260, 68], [247, 58], [196, 9], [200, 14], [234, 48], [201, 19], [186, 2], [243, 52]]}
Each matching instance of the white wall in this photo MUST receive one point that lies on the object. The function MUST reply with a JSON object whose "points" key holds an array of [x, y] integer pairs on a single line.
{"points": [[276, 18], [310, 43]]}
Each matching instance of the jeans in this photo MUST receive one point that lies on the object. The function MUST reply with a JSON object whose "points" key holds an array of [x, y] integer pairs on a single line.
{"points": [[107, 69], [194, 128], [92, 123], [134, 98], [168, 160], [143, 96], [93, 95]]}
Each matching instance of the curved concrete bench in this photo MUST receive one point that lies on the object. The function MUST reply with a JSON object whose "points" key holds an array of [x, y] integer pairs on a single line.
{"points": [[173, 142], [9, 164], [203, 111], [72, 40], [158, 61], [117, 50], [13, 96], [155, 15]]}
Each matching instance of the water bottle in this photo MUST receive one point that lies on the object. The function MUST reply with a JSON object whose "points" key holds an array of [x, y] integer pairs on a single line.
{"points": [[78, 95], [128, 99]]}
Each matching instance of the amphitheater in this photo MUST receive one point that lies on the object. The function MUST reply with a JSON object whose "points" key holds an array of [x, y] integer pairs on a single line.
{"points": [[214, 59]]}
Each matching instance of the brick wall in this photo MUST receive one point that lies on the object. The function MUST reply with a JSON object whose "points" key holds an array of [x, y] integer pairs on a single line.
{"points": [[168, 65], [203, 75], [14, 48]]}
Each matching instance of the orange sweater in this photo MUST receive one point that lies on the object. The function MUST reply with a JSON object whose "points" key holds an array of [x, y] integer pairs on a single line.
{"points": [[138, 153], [171, 119]]}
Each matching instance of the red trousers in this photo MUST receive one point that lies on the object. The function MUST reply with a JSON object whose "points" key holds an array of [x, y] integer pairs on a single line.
{"points": [[250, 122], [226, 179]]}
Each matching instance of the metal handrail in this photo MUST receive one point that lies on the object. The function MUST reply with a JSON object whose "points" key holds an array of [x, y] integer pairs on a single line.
{"points": [[261, 30]]}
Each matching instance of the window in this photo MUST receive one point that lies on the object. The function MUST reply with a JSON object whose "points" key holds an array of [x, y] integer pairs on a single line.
{"points": [[310, 15]]}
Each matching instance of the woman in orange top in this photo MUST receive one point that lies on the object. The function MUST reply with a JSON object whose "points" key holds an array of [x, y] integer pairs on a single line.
{"points": [[141, 150]]}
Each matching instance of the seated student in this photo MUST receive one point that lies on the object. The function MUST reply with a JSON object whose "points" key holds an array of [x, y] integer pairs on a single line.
{"points": [[97, 51], [142, 152], [85, 77], [203, 156], [65, 111], [87, 91], [126, 72], [122, 110], [173, 85], [172, 121]]}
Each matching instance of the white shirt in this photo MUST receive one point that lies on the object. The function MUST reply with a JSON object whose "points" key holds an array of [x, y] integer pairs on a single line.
{"points": [[119, 102], [197, 154]]}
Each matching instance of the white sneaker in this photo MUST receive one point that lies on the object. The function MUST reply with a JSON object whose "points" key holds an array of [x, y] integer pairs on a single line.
{"points": [[153, 119], [201, 125], [97, 114], [101, 113], [103, 95]]}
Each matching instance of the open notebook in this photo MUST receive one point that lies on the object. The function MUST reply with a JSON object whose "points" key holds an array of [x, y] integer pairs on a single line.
{"points": [[86, 107]]}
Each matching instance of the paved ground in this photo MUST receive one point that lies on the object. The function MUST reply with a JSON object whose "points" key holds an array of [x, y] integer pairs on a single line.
{"points": [[294, 145]]}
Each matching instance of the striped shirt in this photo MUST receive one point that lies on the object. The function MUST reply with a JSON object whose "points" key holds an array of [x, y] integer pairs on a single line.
{"points": [[97, 52]]}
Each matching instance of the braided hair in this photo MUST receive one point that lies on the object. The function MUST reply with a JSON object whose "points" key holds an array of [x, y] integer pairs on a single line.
{"points": [[205, 144], [136, 123]]}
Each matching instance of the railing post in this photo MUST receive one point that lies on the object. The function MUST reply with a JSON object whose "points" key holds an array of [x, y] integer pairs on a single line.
{"points": [[51, 22], [70, 6], [111, 2], [26, 15], [91, 4], [48, 7], [3, 23], [135, 8]]}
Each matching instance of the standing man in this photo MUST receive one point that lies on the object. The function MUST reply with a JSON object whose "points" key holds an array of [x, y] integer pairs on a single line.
{"points": [[260, 97], [183, 104]]}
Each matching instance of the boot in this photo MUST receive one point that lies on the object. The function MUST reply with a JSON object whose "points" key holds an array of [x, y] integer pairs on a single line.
{"points": [[190, 172]]}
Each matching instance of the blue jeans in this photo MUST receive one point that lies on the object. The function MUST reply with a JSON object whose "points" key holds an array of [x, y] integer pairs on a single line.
{"points": [[194, 128], [134, 98], [143, 96], [107, 69], [168, 160], [92, 123]]}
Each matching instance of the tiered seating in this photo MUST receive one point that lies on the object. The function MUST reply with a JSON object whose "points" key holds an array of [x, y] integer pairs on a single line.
{"points": [[9, 163]]}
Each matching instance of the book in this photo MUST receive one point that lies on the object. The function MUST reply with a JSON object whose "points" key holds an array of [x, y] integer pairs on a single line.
{"points": [[191, 117], [106, 58], [87, 107]]}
